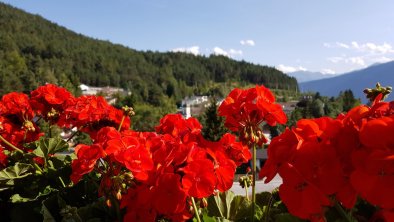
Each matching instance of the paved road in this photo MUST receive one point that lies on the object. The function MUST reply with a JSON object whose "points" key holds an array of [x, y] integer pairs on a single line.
{"points": [[260, 186]]}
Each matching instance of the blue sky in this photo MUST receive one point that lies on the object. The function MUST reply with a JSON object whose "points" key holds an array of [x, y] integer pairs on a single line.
{"points": [[332, 36]]}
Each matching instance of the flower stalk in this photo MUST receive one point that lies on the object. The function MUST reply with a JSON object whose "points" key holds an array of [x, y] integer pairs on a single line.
{"points": [[10, 144], [253, 180], [195, 209], [246, 190]]}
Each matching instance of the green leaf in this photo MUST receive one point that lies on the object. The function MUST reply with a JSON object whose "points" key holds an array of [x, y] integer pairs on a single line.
{"points": [[46, 146], [264, 199], [219, 204], [245, 211], [16, 198], [19, 170], [228, 207], [205, 217], [46, 214]]}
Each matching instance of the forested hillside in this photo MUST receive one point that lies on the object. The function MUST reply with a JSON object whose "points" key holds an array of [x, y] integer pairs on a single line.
{"points": [[34, 51]]}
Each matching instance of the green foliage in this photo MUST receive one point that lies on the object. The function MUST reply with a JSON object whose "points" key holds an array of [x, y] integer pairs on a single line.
{"points": [[213, 124], [48, 146], [315, 106], [27, 182], [34, 51], [347, 100], [229, 207], [9, 175]]}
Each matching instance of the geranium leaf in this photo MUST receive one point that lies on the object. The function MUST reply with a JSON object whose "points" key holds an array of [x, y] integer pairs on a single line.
{"points": [[16, 198], [19, 170], [226, 206], [245, 211], [47, 146], [237, 204]]}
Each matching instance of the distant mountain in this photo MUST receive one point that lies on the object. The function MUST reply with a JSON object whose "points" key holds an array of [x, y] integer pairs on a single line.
{"points": [[305, 76], [357, 81]]}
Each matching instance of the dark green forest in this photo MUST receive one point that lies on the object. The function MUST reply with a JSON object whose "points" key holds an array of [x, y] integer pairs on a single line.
{"points": [[35, 51]]}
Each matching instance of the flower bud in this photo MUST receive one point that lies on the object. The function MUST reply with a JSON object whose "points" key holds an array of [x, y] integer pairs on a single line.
{"points": [[203, 203], [128, 111], [108, 202], [28, 125], [119, 195]]}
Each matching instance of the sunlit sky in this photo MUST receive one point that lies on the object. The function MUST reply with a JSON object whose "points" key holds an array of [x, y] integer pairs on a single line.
{"points": [[332, 36]]}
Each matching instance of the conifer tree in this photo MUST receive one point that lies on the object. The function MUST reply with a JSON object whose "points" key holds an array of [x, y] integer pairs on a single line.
{"points": [[213, 124]]}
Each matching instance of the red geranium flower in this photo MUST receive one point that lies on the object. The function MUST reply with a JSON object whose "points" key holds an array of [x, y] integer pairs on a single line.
{"points": [[16, 105], [87, 157], [246, 109], [236, 151], [137, 202], [383, 216], [302, 198], [280, 151], [50, 100], [170, 198], [373, 177], [91, 113], [224, 170], [199, 180], [3, 158]]}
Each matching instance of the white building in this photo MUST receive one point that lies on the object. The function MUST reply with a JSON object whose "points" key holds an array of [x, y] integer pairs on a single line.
{"points": [[107, 92]]}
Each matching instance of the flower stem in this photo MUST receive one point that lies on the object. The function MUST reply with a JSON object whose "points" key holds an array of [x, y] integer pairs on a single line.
{"points": [[253, 181], [195, 209], [116, 207], [61, 180], [10, 144], [121, 122], [246, 190], [344, 214], [75, 133], [38, 168]]}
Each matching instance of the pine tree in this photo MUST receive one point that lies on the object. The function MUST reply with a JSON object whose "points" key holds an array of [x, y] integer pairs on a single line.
{"points": [[213, 124]]}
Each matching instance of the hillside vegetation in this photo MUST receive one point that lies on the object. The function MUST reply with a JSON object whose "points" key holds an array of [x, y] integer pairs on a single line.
{"points": [[34, 51]]}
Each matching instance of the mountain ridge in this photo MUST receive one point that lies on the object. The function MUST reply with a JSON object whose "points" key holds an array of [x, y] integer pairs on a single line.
{"points": [[306, 76], [356, 81]]}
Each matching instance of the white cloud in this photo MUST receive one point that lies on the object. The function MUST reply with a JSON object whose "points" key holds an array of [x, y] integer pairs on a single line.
{"points": [[195, 50], [230, 53], [363, 47], [336, 45], [219, 51], [355, 60], [248, 42], [335, 59], [355, 45], [289, 69], [235, 52], [327, 71], [342, 45], [382, 59]]}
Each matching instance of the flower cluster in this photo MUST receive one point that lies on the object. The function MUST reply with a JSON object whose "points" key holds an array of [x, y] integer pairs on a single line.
{"points": [[246, 109], [329, 161], [171, 166], [151, 175], [20, 112]]}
